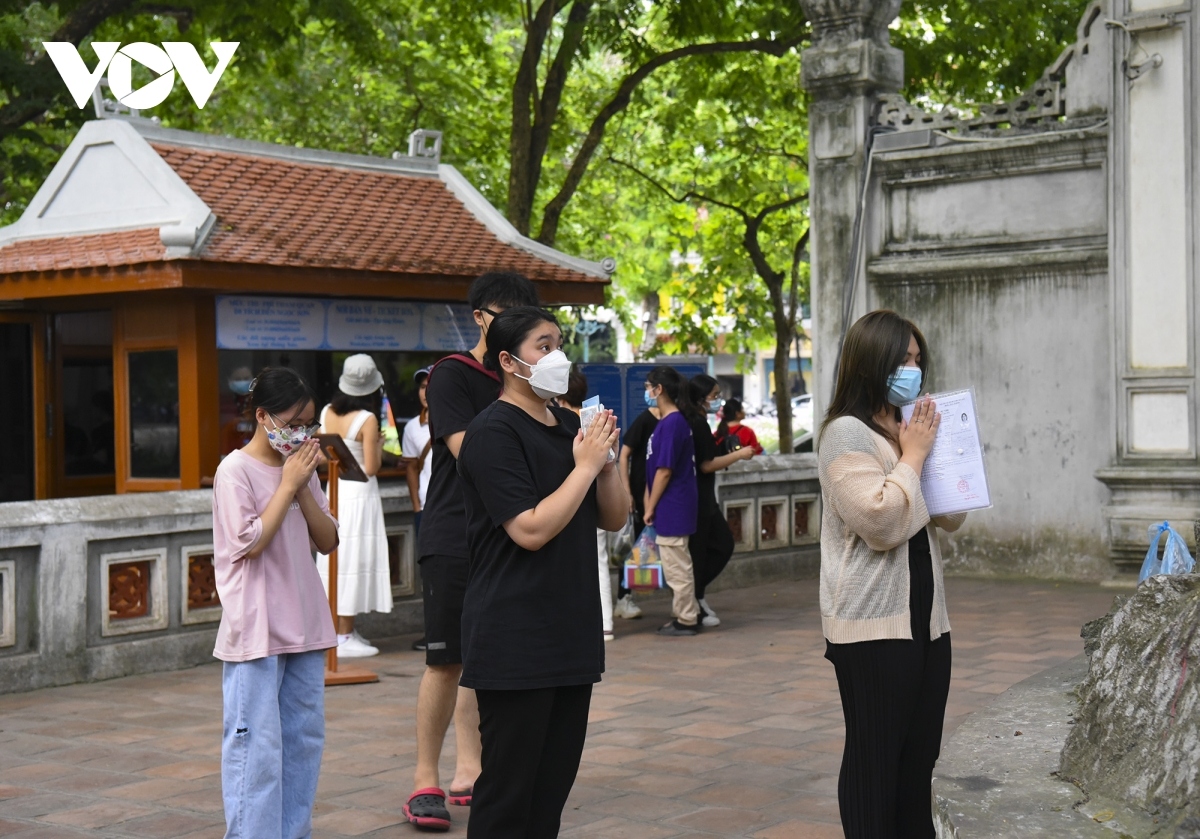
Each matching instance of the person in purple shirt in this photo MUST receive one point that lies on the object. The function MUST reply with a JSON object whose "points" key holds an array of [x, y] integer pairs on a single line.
{"points": [[672, 495]]}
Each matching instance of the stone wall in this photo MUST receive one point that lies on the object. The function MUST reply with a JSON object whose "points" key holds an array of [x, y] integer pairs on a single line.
{"points": [[96, 588], [1044, 246], [993, 248]]}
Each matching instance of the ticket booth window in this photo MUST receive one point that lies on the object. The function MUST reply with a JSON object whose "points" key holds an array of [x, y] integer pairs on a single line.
{"points": [[16, 383], [87, 407], [154, 414], [83, 428]]}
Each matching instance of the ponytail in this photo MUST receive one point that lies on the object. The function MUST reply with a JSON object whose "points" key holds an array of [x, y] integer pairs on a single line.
{"points": [[729, 412], [674, 386]]}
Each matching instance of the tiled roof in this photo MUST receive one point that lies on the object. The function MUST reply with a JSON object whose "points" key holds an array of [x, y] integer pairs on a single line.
{"points": [[128, 247], [282, 211], [288, 213]]}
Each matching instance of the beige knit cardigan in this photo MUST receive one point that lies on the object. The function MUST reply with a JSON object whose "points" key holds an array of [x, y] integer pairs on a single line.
{"points": [[872, 505]]}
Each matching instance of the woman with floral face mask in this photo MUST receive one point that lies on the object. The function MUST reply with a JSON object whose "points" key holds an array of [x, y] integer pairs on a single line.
{"points": [[536, 487], [883, 606], [275, 623]]}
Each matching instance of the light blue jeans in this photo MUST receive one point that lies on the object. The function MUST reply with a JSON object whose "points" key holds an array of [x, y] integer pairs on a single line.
{"points": [[271, 748]]}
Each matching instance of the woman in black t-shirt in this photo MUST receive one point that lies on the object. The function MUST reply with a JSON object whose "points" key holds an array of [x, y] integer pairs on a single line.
{"points": [[536, 488], [711, 546]]}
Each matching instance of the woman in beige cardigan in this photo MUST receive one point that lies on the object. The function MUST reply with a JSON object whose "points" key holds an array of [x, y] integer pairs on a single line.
{"points": [[883, 607]]}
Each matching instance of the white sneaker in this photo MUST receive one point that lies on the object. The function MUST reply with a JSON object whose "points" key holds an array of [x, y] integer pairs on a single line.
{"points": [[626, 608], [359, 638], [710, 617], [355, 647]]}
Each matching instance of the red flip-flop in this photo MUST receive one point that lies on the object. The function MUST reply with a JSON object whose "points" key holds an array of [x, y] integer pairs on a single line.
{"points": [[460, 798], [426, 808]]}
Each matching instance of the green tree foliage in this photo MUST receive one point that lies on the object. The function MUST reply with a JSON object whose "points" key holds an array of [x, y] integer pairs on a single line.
{"points": [[965, 52], [671, 134]]}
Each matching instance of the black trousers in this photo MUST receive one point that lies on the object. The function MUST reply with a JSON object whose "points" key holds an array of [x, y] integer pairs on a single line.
{"points": [[711, 546], [532, 743], [894, 701]]}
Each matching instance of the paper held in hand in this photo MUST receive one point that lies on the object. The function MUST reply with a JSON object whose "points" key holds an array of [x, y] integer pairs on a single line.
{"points": [[954, 479], [590, 410]]}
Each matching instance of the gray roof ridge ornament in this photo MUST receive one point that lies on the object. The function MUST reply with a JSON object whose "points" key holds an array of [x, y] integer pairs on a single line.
{"points": [[111, 108], [418, 144]]}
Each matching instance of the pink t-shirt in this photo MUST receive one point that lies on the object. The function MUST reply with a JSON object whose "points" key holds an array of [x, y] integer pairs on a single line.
{"points": [[272, 603]]}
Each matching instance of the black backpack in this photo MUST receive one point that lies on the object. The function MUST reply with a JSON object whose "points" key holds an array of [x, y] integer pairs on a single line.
{"points": [[728, 444]]}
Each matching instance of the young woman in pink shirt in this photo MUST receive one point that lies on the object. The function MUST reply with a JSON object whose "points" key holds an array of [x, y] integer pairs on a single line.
{"points": [[269, 514]]}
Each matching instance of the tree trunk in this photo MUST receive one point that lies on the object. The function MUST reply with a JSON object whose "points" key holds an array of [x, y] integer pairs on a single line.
{"points": [[521, 177], [650, 307], [784, 327]]}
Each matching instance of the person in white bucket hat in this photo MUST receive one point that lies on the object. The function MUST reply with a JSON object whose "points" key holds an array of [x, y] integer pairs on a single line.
{"points": [[364, 582]]}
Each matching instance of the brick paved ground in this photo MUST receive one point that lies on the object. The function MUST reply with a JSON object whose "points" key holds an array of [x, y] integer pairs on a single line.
{"points": [[735, 733]]}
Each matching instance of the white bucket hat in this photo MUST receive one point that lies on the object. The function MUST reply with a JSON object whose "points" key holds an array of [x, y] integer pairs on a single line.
{"points": [[360, 376]]}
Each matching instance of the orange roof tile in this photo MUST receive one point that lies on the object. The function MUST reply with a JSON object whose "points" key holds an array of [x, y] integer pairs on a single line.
{"points": [[296, 213], [290, 213], [128, 247]]}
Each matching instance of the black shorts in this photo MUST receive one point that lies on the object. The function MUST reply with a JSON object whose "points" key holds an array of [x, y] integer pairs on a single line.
{"points": [[443, 586]]}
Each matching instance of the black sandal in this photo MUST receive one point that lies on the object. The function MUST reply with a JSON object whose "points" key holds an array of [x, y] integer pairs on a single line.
{"points": [[426, 808]]}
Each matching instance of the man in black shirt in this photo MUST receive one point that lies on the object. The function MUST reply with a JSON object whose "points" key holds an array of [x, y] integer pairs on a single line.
{"points": [[458, 389]]}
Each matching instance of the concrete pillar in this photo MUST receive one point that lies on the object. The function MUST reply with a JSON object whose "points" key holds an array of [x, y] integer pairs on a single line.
{"points": [[848, 65]]}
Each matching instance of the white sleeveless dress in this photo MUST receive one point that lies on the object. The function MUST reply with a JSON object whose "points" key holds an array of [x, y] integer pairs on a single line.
{"points": [[364, 581]]}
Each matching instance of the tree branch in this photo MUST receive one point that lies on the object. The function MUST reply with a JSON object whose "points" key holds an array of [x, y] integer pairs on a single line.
{"points": [[620, 100], [691, 194], [794, 292], [552, 90], [41, 87]]}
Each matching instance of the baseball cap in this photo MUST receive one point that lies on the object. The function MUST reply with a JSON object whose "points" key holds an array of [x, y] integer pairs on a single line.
{"points": [[423, 373]]}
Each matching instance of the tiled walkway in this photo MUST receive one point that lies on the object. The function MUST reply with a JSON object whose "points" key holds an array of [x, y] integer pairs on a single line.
{"points": [[735, 733]]}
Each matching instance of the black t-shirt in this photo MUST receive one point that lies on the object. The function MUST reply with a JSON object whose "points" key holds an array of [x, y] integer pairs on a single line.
{"points": [[637, 437], [706, 449], [456, 394], [531, 619]]}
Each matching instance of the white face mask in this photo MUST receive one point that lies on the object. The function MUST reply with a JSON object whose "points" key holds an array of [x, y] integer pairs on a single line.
{"points": [[549, 377]]}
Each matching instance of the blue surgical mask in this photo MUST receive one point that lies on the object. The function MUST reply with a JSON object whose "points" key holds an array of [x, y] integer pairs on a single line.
{"points": [[651, 402], [904, 385]]}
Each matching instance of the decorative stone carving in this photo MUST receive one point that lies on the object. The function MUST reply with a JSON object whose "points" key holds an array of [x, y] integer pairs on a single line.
{"points": [[200, 601], [740, 514], [772, 523], [128, 590], [850, 53], [1045, 104], [133, 592]]}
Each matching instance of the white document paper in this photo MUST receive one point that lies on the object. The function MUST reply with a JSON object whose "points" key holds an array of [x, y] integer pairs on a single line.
{"points": [[954, 479]]}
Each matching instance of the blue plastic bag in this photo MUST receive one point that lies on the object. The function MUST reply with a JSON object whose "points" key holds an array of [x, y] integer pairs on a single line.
{"points": [[1175, 558]]}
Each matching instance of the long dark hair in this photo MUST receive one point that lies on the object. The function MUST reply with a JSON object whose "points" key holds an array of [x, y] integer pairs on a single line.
{"points": [[343, 403], [729, 412], [699, 387], [875, 346], [510, 328], [673, 385], [277, 389]]}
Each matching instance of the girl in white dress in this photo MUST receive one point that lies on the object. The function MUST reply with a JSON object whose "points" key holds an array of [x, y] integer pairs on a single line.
{"points": [[364, 581]]}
